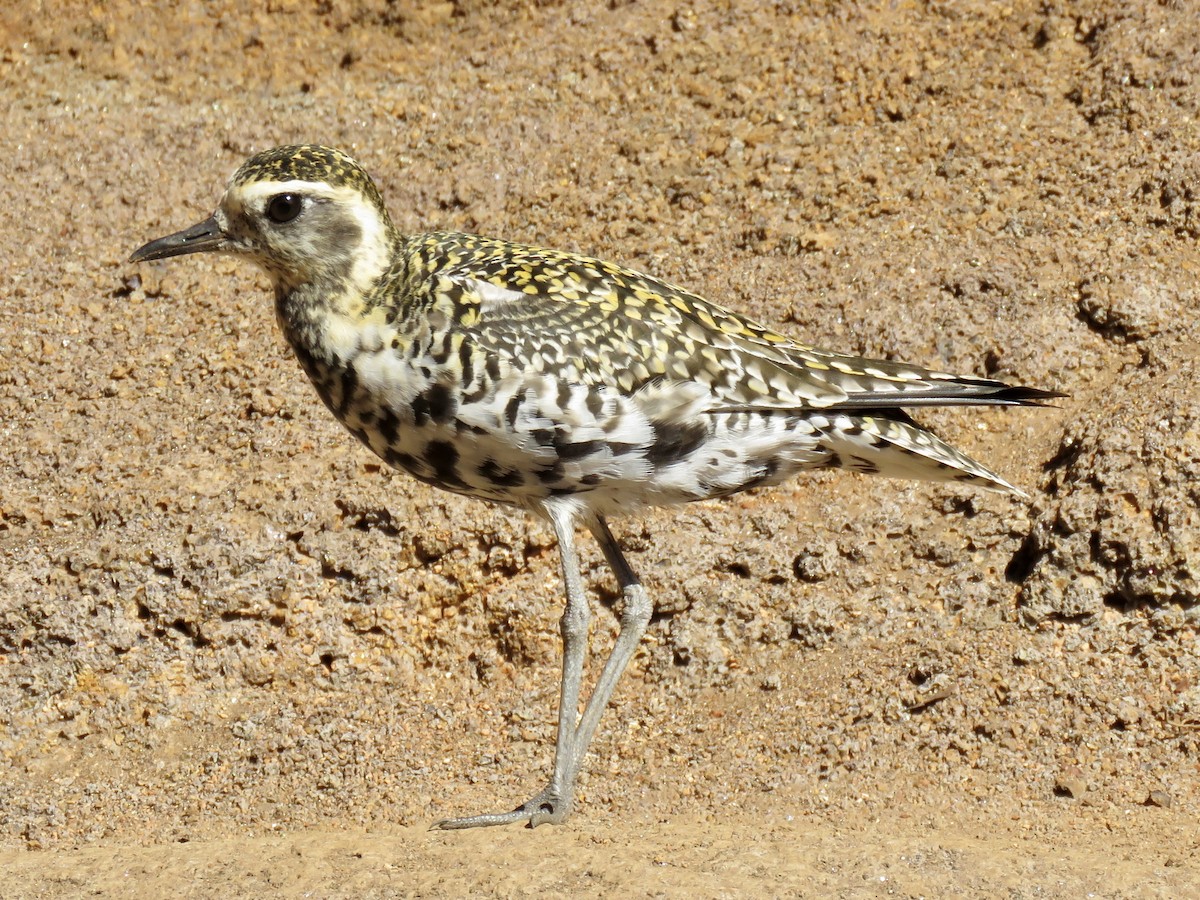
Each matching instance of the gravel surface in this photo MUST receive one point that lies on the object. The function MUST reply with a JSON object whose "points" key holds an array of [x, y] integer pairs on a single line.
{"points": [[240, 657]]}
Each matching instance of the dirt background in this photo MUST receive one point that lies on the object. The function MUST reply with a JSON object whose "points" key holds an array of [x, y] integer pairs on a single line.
{"points": [[238, 658]]}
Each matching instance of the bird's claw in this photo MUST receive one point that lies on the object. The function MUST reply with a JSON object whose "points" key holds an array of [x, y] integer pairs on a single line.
{"points": [[548, 807]]}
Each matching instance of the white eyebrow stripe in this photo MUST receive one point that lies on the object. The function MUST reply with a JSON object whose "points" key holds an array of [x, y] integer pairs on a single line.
{"points": [[255, 191]]}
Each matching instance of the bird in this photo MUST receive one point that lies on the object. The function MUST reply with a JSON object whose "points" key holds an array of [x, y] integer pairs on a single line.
{"points": [[569, 387]]}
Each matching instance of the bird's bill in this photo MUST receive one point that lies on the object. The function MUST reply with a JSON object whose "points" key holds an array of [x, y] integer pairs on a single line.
{"points": [[197, 239]]}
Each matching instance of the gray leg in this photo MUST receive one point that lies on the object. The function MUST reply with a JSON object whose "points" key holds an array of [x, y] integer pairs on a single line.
{"points": [[553, 803], [635, 616]]}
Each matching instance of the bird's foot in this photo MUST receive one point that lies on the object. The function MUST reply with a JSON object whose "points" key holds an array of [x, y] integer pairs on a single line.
{"points": [[550, 806]]}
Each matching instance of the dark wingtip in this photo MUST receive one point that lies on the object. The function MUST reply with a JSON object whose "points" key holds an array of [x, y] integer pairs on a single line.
{"points": [[1016, 395]]}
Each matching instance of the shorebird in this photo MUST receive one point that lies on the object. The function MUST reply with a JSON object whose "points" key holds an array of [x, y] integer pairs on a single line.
{"points": [[564, 385]]}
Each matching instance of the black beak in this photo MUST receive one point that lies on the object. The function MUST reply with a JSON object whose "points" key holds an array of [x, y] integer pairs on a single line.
{"points": [[197, 239]]}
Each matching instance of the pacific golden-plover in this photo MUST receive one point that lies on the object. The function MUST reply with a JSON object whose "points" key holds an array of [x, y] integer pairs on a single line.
{"points": [[567, 386]]}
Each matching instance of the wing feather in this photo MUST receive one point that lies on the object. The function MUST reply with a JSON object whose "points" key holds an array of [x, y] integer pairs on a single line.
{"points": [[598, 323]]}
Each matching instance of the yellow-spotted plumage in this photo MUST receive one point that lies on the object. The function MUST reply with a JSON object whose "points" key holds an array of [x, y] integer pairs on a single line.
{"points": [[566, 385]]}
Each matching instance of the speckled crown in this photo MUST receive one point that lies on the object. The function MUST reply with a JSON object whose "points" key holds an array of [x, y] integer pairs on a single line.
{"points": [[308, 162]]}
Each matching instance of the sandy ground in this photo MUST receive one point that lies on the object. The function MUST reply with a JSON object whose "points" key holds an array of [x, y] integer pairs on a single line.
{"points": [[239, 658]]}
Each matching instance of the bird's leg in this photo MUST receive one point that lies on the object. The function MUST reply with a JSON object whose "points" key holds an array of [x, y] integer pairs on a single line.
{"points": [[553, 803], [635, 616]]}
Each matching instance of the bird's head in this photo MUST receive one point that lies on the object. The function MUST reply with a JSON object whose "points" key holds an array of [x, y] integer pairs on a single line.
{"points": [[305, 214]]}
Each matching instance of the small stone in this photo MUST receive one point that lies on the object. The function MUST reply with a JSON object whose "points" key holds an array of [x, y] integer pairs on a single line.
{"points": [[1026, 656], [1161, 799], [1070, 783]]}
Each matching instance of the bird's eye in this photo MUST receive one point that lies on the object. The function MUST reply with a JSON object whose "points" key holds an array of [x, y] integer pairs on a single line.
{"points": [[284, 208]]}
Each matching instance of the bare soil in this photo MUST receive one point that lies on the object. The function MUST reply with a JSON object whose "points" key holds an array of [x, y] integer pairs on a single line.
{"points": [[239, 657]]}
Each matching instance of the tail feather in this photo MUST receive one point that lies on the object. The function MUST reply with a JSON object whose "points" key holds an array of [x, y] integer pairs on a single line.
{"points": [[897, 447]]}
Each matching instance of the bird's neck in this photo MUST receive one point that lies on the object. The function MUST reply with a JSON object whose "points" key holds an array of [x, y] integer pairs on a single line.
{"points": [[321, 319], [321, 311]]}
